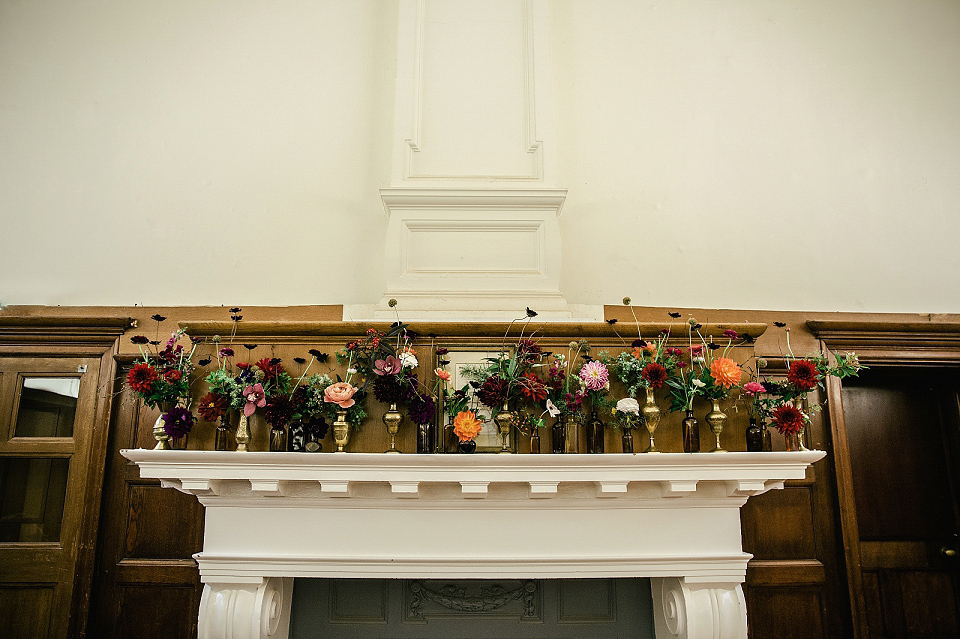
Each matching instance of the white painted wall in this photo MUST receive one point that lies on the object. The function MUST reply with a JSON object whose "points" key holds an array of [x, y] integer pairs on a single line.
{"points": [[182, 152]]}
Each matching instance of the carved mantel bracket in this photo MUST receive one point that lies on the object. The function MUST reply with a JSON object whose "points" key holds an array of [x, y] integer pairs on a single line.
{"points": [[265, 513]]}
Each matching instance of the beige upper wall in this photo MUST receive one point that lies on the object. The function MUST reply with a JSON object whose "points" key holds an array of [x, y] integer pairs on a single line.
{"points": [[791, 155]]}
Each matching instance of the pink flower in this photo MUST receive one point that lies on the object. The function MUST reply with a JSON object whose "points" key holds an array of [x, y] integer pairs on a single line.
{"points": [[340, 394], [595, 375], [389, 366], [696, 351], [255, 397], [442, 374], [732, 334], [752, 388]]}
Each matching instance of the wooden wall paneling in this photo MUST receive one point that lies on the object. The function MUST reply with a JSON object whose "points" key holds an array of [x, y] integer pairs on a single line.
{"points": [[146, 582]]}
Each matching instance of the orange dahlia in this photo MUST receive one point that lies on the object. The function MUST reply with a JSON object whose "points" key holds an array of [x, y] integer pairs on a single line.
{"points": [[466, 426], [725, 372]]}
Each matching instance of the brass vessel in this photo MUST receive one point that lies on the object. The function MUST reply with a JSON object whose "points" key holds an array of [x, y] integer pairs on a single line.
{"points": [[341, 431], [243, 434], [716, 418], [504, 421], [651, 418], [392, 420], [802, 435]]}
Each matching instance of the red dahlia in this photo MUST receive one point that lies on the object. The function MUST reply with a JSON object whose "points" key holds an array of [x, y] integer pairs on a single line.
{"points": [[212, 406], [172, 375], [803, 375], [493, 392], [788, 419], [532, 387], [141, 378], [654, 373]]}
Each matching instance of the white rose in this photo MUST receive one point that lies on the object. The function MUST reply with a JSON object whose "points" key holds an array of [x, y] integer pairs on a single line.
{"points": [[408, 360], [629, 406]]}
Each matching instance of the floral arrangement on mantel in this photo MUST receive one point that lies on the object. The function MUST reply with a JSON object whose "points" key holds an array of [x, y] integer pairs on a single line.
{"points": [[161, 378]]}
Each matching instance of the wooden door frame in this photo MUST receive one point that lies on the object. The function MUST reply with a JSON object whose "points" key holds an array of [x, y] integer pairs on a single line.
{"points": [[93, 337], [918, 344]]}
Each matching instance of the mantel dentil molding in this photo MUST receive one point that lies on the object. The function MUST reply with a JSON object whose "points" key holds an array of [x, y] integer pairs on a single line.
{"points": [[673, 517]]}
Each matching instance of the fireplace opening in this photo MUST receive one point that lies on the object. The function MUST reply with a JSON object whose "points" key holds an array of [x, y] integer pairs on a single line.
{"points": [[472, 608]]}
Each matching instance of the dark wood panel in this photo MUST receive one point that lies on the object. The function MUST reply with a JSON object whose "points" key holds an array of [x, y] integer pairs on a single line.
{"points": [[161, 523], [25, 610], [784, 613], [784, 572], [779, 524], [152, 611]]}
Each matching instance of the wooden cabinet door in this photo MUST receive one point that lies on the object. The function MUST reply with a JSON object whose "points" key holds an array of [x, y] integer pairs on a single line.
{"points": [[902, 428], [47, 416], [146, 584]]}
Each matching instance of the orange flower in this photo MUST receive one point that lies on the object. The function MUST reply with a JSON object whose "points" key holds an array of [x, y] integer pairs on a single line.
{"points": [[466, 426], [725, 372], [442, 374]]}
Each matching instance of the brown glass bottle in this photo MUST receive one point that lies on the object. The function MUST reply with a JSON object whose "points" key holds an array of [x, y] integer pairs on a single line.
{"points": [[691, 433]]}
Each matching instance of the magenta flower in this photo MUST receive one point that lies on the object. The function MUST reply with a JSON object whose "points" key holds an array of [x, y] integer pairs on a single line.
{"points": [[595, 375], [752, 388], [226, 351], [732, 334], [255, 397], [389, 366]]}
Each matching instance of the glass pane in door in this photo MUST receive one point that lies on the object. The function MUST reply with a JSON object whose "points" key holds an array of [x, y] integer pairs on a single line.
{"points": [[32, 492], [47, 407]]}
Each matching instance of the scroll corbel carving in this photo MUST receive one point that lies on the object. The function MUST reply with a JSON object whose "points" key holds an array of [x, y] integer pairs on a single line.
{"points": [[246, 610], [698, 611]]}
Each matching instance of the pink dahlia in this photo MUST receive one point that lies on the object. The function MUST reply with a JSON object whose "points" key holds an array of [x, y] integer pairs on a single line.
{"points": [[753, 388], [595, 375]]}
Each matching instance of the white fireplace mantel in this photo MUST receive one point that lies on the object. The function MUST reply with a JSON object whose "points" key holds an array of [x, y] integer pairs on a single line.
{"points": [[271, 517]]}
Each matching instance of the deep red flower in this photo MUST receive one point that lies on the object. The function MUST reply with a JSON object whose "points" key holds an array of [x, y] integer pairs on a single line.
{"points": [[802, 374], [528, 350], [788, 419], [212, 406], [142, 377], [271, 367], [172, 375], [493, 392], [654, 373], [532, 387]]}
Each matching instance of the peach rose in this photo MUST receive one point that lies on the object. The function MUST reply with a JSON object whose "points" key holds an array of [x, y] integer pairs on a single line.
{"points": [[442, 374], [340, 394], [725, 372], [466, 426]]}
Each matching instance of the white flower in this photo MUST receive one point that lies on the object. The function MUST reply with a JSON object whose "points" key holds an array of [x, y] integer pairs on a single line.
{"points": [[628, 406], [698, 383], [351, 371], [408, 360], [552, 409]]}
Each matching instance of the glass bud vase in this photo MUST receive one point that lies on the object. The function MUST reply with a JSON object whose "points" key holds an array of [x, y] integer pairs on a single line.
{"points": [[691, 433], [221, 437], [716, 419], [534, 440], [651, 418], [594, 435], [791, 442], [767, 439], [297, 437], [754, 437], [278, 438], [559, 435], [627, 441], [504, 421], [467, 447], [572, 435], [425, 438], [341, 431]]}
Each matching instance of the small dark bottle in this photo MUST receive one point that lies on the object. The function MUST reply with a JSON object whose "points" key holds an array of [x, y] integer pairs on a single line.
{"points": [[691, 433], [467, 447], [628, 440], [425, 438], [559, 436], [222, 435], [754, 437], [767, 440], [594, 435], [535, 441], [278, 439]]}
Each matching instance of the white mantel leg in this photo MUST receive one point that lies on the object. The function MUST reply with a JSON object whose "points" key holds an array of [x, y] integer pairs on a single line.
{"points": [[255, 610], [684, 610]]}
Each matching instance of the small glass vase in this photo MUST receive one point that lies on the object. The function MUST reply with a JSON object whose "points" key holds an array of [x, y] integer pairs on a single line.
{"points": [[426, 442], [559, 435], [594, 435], [767, 439], [278, 439], [791, 442], [716, 419], [572, 435], [534, 440], [504, 421], [451, 441], [754, 437], [467, 447], [221, 438], [297, 437], [691, 433], [341, 431], [627, 441], [651, 418], [392, 419]]}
